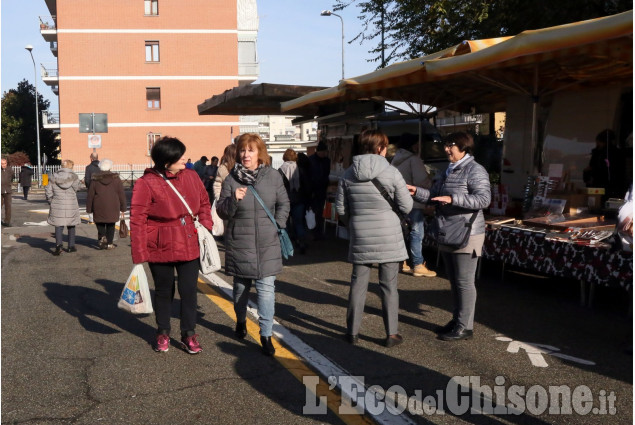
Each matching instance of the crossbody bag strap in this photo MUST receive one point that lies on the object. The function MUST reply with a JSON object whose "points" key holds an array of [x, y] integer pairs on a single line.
{"points": [[387, 197], [180, 197], [273, 220]]}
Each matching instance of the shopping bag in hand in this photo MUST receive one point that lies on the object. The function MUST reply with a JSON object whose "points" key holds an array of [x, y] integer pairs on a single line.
{"points": [[135, 296], [123, 229], [310, 219], [218, 228]]}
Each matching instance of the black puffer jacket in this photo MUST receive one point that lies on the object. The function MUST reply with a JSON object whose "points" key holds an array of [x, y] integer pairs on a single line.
{"points": [[468, 185], [251, 239]]}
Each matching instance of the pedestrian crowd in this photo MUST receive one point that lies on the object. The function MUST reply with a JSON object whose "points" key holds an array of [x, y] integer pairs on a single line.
{"points": [[380, 202]]}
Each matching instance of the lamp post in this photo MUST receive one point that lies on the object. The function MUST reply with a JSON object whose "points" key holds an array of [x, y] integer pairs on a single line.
{"points": [[37, 120], [329, 13]]}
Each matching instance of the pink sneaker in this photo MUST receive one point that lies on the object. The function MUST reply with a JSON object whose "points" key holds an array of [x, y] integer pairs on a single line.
{"points": [[191, 345], [163, 343]]}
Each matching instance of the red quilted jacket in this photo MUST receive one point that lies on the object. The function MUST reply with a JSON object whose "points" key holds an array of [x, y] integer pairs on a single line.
{"points": [[161, 230]]}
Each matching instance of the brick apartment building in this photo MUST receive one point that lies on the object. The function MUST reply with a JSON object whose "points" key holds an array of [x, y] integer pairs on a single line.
{"points": [[147, 64]]}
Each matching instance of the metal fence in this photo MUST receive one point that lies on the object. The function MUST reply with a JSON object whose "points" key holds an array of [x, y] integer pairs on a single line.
{"points": [[127, 172]]}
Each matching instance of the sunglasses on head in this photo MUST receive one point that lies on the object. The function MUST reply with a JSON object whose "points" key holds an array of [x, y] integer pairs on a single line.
{"points": [[449, 144]]}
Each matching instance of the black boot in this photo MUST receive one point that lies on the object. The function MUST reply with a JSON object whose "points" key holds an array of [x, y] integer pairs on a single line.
{"points": [[267, 346], [58, 250], [241, 330]]}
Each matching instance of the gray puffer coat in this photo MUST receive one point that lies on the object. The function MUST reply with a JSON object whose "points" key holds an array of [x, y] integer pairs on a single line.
{"points": [[468, 185], [374, 229], [61, 194], [251, 239]]}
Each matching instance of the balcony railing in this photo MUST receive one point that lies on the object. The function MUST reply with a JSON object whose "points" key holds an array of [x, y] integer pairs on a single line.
{"points": [[47, 23], [459, 120], [49, 71], [50, 120]]}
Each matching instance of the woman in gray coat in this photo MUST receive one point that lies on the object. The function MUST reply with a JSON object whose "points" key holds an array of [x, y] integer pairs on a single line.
{"points": [[61, 194], [374, 230], [462, 190], [252, 245]]}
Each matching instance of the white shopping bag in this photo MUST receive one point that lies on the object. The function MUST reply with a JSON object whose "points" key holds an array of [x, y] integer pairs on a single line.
{"points": [[218, 228], [310, 219], [135, 296]]}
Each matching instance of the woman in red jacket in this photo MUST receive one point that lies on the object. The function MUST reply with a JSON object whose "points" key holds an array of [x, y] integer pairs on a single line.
{"points": [[163, 234]]}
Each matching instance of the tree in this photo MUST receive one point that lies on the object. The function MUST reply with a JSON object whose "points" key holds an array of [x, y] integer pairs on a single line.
{"points": [[415, 28], [18, 124]]}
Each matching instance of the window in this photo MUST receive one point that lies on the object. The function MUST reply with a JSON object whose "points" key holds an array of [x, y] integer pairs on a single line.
{"points": [[153, 97], [152, 51], [151, 139], [151, 7]]}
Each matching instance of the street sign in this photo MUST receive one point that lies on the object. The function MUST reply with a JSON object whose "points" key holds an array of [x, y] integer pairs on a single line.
{"points": [[94, 141], [93, 123]]}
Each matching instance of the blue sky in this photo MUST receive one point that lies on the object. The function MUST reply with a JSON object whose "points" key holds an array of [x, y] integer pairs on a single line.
{"points": [[295, 44]]}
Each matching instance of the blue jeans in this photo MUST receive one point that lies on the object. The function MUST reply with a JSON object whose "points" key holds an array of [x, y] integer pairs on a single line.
{"points": [[297, 217], [265, 288], [416, 236]]}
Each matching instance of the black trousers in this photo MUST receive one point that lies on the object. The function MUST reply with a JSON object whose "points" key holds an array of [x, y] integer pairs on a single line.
{"points": [[164, 287], [25, 191], [107, 230]]}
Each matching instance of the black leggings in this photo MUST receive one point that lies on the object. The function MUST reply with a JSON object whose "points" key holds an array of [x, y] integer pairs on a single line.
{"points": [[163, 276], [107, 230]]}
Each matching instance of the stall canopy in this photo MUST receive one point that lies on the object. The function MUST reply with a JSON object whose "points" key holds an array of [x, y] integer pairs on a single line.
{"points": [[480, 75], [253, 99]]}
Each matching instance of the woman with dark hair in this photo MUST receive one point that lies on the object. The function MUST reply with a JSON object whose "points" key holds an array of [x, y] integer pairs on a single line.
{"points": [[162, 232], [252, 245], [374, 231], [463, 190]]}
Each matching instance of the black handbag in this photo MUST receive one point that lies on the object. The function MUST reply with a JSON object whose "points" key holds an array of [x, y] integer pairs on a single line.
{"points": [[452, 231], [404, 220]]}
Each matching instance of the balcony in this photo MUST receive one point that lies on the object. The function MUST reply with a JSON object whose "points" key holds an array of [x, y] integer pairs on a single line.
{"points": [[459, 120], [249, 70], [53, 45], [51, 120], [49, 73], [48, 28]]}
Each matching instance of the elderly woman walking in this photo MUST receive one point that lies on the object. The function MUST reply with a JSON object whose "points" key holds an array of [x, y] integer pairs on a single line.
{"points": [[61, 194], [107, 202], [463, 191], [253, 253], [374, 229]]}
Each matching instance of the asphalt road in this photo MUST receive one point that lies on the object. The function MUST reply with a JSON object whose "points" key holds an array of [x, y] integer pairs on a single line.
{"points": [[69, 356]]}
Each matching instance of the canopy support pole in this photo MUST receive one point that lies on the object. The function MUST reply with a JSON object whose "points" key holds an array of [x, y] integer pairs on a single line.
{"points": [[534, 124]]}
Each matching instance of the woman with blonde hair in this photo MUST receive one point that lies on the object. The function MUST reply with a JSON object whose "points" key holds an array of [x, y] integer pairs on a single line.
{"points": [[252, 245], [61, 194]]}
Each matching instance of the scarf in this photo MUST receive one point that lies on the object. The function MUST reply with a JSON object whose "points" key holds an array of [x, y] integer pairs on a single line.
{"points": [[451, 165], [246, 176]]}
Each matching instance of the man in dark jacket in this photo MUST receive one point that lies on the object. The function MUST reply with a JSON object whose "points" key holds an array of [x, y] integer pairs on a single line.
{"points": [[26, 178], [7, 178], [320, 168], [91, 168], [199, 167]]}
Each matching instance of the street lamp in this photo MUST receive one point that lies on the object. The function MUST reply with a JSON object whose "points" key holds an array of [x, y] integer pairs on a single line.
{"points": [[37, 120], [329, 13]]}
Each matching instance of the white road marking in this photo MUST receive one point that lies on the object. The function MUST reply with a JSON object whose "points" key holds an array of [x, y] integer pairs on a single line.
{"points": [[316, 360], [535, 352]]}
